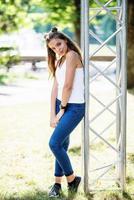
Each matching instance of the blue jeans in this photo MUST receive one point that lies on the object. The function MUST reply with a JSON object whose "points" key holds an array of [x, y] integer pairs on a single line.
{"points": [[59, 140]]}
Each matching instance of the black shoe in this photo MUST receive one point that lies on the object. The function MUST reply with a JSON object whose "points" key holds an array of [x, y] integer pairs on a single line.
{"points": [[55, 191], [73, 186]]}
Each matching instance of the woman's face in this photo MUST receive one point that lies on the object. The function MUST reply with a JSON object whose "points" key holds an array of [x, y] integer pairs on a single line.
{"points": [[59, 46]]}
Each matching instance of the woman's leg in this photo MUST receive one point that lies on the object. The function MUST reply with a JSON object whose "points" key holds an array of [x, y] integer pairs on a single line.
{"points": [[66, 125], [56, 189], [58, 179], [58, 169]]}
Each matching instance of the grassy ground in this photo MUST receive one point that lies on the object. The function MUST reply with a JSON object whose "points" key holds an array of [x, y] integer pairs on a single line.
{"points": [[7, 78], [26, 163]]}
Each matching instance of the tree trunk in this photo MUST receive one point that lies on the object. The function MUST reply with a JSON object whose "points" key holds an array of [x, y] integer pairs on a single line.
{"points": [[77, 21], [130, 72]]}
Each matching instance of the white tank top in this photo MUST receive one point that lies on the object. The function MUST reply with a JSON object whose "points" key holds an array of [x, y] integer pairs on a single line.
{"points": [[77, 94]]}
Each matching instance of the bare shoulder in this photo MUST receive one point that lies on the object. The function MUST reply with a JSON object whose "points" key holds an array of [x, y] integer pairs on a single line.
{"points": [[74, 58], [72, 54]]}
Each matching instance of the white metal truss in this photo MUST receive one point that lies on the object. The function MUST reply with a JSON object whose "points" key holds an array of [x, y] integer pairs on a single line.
{"points": [[104, 135]]}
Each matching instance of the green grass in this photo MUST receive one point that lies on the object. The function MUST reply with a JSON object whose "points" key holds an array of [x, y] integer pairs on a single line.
{"points": [[11, 77], [75, 151], [5, 78], [26, 163], [131, 157], [112, 195]]}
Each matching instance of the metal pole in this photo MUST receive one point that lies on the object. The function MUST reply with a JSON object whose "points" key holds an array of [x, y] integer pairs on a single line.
{"points": [[118, 108], [86, 80], [124, 89], [82, 26], [82, 49]]}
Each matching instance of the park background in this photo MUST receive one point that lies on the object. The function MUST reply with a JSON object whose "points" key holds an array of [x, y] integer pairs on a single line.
{"points": [[26, 161]]}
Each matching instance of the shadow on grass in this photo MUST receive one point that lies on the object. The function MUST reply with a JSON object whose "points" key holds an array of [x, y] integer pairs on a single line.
{"points": [[36, 195], [43, 195], [78, 196], [131, 91], [89, 196], [131, 157], [129, 179], [113, 195], [75, 151], [127, 196], [71, 196]]}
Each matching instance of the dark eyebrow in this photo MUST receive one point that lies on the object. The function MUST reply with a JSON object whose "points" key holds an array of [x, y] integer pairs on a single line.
{"points": [[58, 42]]}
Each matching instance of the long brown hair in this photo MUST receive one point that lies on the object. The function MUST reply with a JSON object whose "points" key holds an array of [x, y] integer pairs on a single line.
{"points": [[55, 34]]}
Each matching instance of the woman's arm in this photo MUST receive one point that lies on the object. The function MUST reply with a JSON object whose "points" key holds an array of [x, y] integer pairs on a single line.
{"points": [[53, 101], [71, 63]]}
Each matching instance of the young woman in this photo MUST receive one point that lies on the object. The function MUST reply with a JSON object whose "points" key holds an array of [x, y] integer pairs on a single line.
{"points": [[67, 103]]}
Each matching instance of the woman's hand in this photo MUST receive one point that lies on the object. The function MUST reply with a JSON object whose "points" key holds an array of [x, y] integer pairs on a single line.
{"points": [[59, 115], [55, 119], [53, 122]]}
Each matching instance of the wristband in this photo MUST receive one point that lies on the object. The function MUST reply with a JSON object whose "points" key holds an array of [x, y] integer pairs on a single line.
{"points": [[63, 107]]}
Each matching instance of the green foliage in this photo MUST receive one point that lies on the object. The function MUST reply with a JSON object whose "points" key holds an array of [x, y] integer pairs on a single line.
{"points": [[5, 48], [102, 2], [3, 78], [64, 12], [7, 78], [9, 57], [9, 60], [12, 15]]}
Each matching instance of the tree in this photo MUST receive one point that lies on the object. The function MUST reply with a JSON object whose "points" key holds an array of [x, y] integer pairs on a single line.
{"points": [[130, 43], [9, 56], [13, 15], [64, 13]]}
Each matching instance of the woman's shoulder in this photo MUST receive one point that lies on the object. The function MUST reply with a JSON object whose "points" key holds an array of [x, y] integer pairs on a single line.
{"points": [[72, 54], [74, 57]]}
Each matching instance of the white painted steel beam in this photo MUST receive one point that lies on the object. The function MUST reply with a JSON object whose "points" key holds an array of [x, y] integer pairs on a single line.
{"points": [[120, 86]]}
